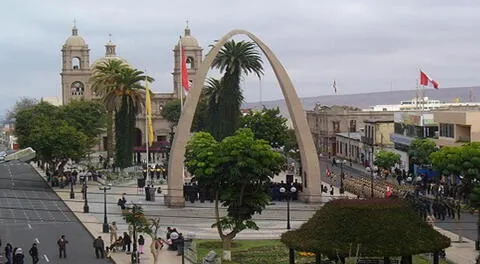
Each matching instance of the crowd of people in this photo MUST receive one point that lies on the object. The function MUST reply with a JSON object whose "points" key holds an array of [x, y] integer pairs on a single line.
{"points": [[193, 192], [65, 178], [16, 255]]}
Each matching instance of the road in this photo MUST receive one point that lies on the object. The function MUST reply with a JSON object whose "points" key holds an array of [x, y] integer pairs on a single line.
{"points": [[30, 212], [468, 222]]}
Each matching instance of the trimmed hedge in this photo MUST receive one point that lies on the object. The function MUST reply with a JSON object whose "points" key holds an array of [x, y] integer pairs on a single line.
{"points": [[380, 227]]}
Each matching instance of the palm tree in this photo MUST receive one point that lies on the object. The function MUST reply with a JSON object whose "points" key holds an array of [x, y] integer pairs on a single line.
{"points": [[103, 83], [234, 60], [210, 94], [121, 89]]}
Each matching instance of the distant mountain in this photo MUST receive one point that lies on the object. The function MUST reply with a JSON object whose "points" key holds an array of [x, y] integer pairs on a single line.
{"points": [[364, 100]]}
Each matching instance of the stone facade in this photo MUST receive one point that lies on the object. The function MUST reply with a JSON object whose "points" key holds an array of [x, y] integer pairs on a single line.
{"points": [[77, 70], [376, 136], [326, 121]]}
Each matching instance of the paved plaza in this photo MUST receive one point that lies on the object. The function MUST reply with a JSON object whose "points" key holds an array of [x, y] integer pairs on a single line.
{"points": [[196, 219], [31, 212]]}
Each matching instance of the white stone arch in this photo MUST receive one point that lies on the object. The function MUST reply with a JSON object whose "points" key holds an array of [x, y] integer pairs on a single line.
{"points": [[310, 165]]}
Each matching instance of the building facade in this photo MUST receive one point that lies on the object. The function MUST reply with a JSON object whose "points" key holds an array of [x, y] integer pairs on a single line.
{"points": [[76, 73], [326, 122], [376, 137], [350, 146], [409, 126], [457, 127]]}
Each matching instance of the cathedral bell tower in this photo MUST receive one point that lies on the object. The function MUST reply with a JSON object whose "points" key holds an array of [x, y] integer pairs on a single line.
{"points": [[75, 68], [193, 54]]}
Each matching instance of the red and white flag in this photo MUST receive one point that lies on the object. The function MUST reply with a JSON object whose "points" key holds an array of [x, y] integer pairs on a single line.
{"points": [[185, 82], [425, 80]]}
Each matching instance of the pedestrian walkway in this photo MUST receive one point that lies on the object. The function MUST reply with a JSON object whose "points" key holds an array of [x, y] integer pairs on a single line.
{"points": [[93, 221], [196, 219]]}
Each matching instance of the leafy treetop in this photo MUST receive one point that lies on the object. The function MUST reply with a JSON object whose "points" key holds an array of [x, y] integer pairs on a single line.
{"points": [[267, 124], [386, 159], [420, 151]]}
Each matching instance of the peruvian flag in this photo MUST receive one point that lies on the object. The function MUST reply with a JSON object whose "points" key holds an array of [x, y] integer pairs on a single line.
{"points": [[185, 82], [425, 80]]}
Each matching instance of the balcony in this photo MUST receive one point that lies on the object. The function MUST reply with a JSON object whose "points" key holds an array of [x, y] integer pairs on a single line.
{"points": [[367, 141]]}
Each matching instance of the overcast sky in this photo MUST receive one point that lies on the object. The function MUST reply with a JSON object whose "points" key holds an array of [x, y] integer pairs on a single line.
{"points": [[364, 45]]}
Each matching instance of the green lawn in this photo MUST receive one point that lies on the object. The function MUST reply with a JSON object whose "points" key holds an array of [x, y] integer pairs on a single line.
{"points": [[264, 252]]}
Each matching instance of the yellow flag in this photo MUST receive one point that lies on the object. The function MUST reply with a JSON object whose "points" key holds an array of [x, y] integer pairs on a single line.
{"points": [[148, 106]]}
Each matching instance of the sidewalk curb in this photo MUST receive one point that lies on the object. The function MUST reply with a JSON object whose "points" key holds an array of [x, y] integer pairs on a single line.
{"points": [[39, 172]]}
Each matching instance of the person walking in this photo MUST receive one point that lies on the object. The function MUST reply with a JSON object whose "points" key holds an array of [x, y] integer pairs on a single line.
{"points": [[62, 247], [127, 241], [141, 245], [99, 247], [18, 256], [113, 232], [34, 253], [8, 253]]}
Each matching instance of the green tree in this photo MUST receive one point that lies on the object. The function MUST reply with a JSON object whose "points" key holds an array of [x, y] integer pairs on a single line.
{"points": [[104, 85], [211, 94], [234, 60], [268, 125], [22, 103], [420, 151], [53, 138], [171, 111], [89, 117], [386, 159], [461, 161], [123, 93], [27, 119], [237, 169]]}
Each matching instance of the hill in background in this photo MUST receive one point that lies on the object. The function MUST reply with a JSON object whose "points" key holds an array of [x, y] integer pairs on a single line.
{"points": [[365, 100]]}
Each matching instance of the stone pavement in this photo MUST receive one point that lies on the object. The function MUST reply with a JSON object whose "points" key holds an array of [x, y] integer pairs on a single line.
{"points": [[196, 219], [93, 220]]}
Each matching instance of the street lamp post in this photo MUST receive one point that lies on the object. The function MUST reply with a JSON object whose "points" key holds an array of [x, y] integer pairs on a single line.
{"points": [[289, 193], [72, 193], [342, 175], [86, 209], [105, 221]]}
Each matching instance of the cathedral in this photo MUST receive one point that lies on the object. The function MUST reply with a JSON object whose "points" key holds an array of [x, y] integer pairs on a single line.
{"points": [[77, 70]]}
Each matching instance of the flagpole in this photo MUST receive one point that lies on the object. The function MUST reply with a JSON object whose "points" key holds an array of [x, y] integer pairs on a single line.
{"points": [[147, 142], [416, 94]]}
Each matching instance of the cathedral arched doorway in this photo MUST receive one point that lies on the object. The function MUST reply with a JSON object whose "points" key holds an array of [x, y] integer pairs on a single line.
{"points": [[310, 166]]}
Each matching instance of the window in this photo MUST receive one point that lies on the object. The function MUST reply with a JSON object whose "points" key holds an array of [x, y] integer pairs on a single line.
{"points": [[76, 63], [189, 63], [336, 126], [446, 130], [77, 88], [353, 126]]}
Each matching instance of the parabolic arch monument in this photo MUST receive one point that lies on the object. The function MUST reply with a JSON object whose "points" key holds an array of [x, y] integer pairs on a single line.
{"points": [[310, 166]]}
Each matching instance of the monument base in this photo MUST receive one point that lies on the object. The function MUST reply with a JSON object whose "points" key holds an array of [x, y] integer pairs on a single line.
{"points": [[309, 197], [174, 201]]}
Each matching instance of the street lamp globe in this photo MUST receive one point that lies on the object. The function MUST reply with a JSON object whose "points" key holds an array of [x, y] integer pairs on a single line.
{"points": [[293, 189], [283, 190]]}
